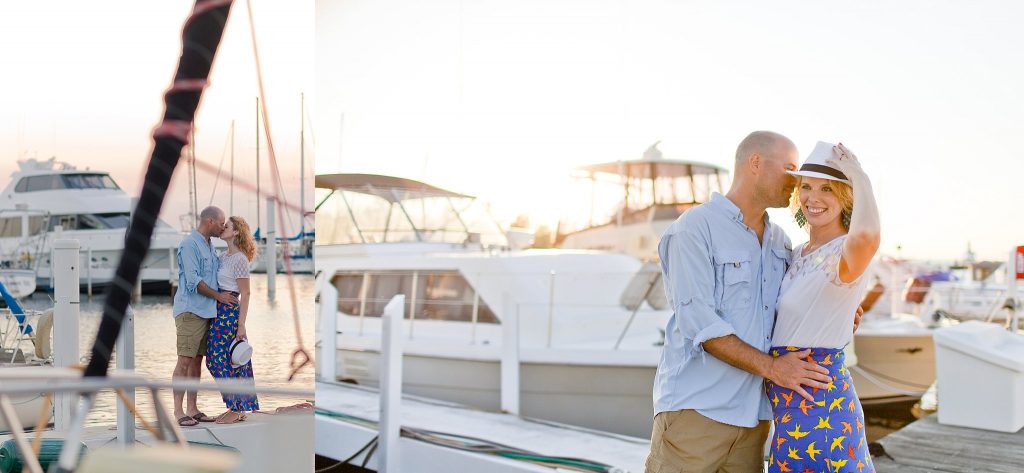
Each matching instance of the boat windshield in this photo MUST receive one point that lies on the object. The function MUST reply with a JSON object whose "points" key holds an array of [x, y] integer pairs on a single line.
{"points": [[104, 221], [355, 217], [49, 182], [89, 181]]}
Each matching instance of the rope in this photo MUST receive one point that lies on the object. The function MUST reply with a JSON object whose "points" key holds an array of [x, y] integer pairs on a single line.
{"points": [[41, 421], [131, 408], [300, 357], [371, 443]]}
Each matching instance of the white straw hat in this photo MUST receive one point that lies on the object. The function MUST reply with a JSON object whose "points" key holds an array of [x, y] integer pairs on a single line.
{"points": [[240, 353], [815, 165]]}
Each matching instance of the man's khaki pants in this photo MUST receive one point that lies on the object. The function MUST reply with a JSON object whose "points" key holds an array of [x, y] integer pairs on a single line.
{"points": [[687, 442]]}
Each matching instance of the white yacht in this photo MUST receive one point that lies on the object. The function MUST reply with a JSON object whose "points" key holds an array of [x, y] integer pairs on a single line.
{"points": [[632, 202], [46, 200], [589, 322]]}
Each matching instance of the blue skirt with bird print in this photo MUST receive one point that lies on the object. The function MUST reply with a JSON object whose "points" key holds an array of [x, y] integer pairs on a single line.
{"points": [[825, 435], [222, 332]]}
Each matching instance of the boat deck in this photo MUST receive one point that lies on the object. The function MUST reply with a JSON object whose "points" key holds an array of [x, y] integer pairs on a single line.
{"points": [[266, 442], [927, 446], [347, 416]]}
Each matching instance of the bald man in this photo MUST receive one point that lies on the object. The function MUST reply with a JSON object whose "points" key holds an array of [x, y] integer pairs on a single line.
{"points": [[723, 264], [195, 303]]}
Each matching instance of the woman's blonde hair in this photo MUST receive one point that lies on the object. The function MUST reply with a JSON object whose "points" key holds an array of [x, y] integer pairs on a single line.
{"points": [[843, 193], [244, 240]]}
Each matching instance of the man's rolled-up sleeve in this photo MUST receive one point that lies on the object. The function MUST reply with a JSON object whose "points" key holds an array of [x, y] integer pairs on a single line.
{"points": [[690, 280], [189, 262]]}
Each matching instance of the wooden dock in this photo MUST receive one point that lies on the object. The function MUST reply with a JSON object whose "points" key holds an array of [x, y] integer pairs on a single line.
{"points": [[927, 446]]}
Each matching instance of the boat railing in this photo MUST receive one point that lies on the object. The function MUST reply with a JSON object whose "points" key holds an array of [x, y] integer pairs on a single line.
{"points": [[56, 381]]}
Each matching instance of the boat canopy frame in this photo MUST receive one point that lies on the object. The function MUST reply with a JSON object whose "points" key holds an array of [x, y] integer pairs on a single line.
{"points": [[397, 192]]}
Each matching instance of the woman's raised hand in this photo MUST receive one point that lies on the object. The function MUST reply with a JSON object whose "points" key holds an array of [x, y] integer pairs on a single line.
{"points": [[844, 160]]}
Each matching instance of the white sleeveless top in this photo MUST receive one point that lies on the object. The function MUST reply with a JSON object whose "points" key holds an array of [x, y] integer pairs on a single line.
{"points": [[815, 307], [232, 267]]}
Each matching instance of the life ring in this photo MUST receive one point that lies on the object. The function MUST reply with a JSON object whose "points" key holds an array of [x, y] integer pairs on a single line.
{"points": [[43, 328]]}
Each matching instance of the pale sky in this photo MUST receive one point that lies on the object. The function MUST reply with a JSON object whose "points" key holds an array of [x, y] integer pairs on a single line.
{"points": [[502, 99], [84, 81]]}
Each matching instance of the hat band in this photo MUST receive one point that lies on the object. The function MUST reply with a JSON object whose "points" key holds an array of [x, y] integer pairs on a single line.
{"points": [[824, 170]]}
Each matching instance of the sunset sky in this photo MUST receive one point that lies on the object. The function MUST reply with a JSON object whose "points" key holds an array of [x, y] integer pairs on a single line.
{"points": [[84, 81], [502, 99]]}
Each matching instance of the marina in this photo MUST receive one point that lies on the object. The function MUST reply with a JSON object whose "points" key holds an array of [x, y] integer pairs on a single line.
{"points": [[587, 315]]}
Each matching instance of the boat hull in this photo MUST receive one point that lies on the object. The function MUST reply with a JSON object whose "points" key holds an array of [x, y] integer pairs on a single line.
{"points": [[619, 398], [608, 398], [889, 364]]}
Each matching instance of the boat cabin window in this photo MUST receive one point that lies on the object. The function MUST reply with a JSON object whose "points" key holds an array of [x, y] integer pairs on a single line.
{"points": [[89, 181], [105, 221], [440, 295], [39, 183], [51, 182], [11, 226]]}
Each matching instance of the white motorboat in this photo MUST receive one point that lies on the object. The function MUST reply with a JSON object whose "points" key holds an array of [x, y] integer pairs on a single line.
{"points": [[24, 342], [46, 200], [300, 250], [589, 321], [18, 282]]}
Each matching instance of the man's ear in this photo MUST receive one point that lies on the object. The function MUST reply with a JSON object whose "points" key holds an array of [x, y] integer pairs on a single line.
{"points": [[755, 161]]}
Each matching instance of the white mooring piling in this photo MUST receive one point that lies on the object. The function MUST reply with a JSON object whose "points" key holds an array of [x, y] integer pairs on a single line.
{"points": [[64, 268], [391, 385], [270, 254], [125, 353], [328, 332], [509, 355]]}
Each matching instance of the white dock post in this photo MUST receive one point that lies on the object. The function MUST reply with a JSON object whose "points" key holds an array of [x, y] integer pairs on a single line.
{"points": [[270, 254], [88, 271], [391, 386], [125, 350], [1011, 285], [509, 355], [64, 268], [328, 333]]}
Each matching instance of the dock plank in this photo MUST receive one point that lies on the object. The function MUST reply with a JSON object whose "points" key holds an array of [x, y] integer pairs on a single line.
{"points": [[927, 446]]}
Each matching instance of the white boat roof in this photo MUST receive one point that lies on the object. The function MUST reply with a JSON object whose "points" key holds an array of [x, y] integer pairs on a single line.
{"points": [[390, 188], [650, 168]]}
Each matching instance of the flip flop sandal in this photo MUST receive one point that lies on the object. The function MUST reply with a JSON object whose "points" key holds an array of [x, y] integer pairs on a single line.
{"points": [[239, 417], [186, 421], [200, 417]]}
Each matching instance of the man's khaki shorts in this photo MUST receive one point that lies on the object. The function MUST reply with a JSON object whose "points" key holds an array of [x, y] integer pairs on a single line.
{"points": [[687, 442], [191, 330]]}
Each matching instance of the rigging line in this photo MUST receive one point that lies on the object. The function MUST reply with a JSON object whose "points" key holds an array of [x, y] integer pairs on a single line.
{"points": [[200, 37], [220, 166], [244, 185], [300, 357]]}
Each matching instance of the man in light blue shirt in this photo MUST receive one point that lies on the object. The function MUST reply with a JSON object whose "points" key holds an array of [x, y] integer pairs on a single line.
{"points": [[723, 264], [195, 303]]}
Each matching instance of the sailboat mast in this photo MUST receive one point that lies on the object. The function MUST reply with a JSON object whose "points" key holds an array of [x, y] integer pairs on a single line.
{"points": [[258, 195], [302, 166], [231, 205]]}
